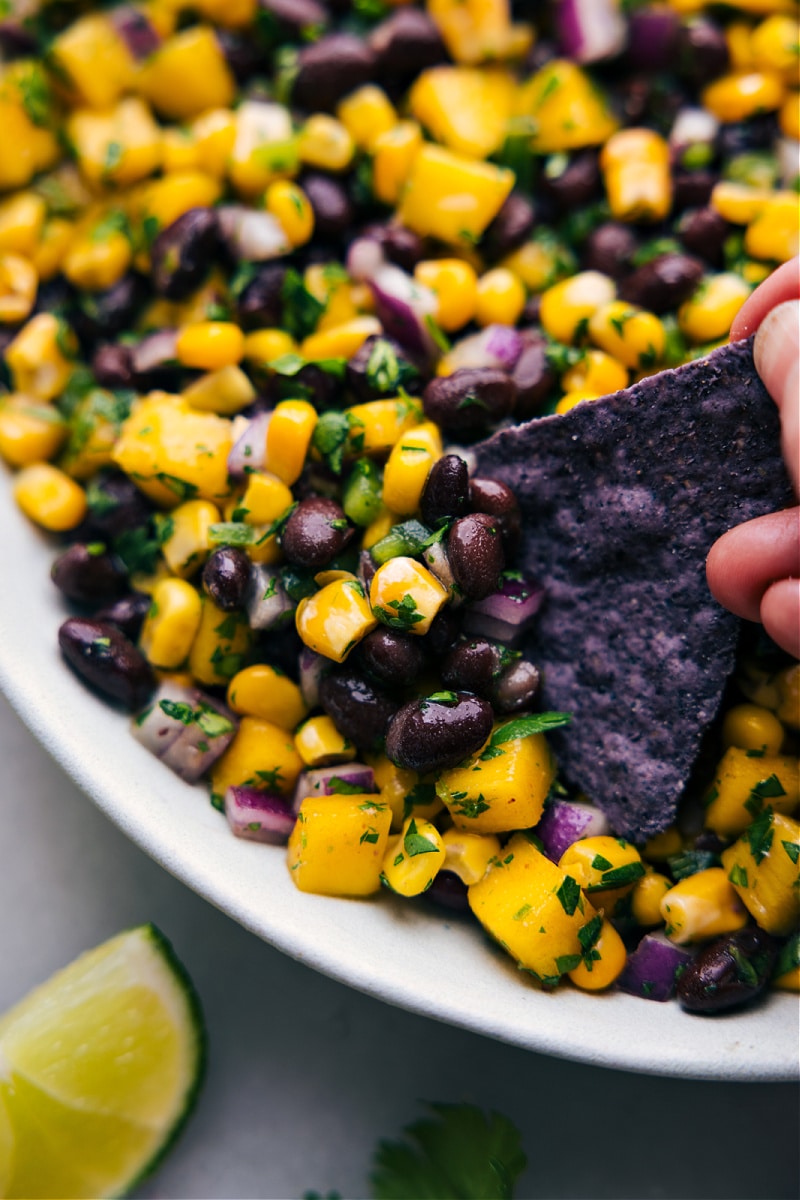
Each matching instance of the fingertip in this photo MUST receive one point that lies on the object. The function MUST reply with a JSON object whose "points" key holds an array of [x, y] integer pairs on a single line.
{"points": [[782, 284], [780, 614]]}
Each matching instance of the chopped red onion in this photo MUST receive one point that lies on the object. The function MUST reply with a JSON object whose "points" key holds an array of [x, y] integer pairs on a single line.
{"points": [[405, 309], [259, 816], [251, 235], [365, 258], [186, 729], [437, 562], [330, 781], [564, 821], [507, 614], [590, 30], [495, 346], [155, 728], [250, 449], [693, 127], [155, 350], [313, 667], [266, 600], [140, 36], [366, 569], [651, 969], [653, 37]]}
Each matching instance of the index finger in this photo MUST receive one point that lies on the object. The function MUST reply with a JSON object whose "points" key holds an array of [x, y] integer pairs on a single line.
{"points": [[783, 284]]}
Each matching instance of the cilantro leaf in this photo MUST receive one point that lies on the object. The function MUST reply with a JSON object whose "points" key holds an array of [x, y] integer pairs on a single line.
{"points": [[458, 1154], [301, 309], [524, 727]]}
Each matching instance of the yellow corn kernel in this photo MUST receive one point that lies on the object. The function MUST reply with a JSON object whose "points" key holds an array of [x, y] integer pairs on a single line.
{"points": [[342, 341], [265, 345], [230, 14], [98, 258], [265, 148], [378, 528], [49, 497], [408, 467], [532, 909], [225, 391], [265, 692], [708, 313], [464, 108], [502, 791], [289, 204], [222, 641], [603, 963], [210, 345], [541, 262], [49, 252], [265, 500], [744, 785], [261, 755], [36, 360], [213, 135], [567, 107], [25, 148], [288, 437], [335, 619], [320, 744], [324, 142], [701, 907], [568, 305], [378, 424], [775, 233], [752, 728], [607, 868], [338, 845], [29, 432], [501, 298], [763, 867], [742, 94], [402, 791], [94, 59], [636, 171], [173, 452], [774, 45], [117, 147], [405, 595], [738, 35], [393, 154], [738, 203], [18, 285], [789, 116], [663, 845], [187, 75], [169, 198], [596, 372], [451, 197], [21, 220], [635, 337], [366, 113], [189, 542], [571, 399], [171, 624], [469, 855], [646, 899], [455, 285], [413, 858]]}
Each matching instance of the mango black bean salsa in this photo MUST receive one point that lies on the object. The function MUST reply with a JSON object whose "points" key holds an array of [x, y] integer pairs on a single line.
{"points": [[269, 271]]}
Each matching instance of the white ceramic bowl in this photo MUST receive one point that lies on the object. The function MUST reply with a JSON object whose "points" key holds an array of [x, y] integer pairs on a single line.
{"points": [[409, 955]]}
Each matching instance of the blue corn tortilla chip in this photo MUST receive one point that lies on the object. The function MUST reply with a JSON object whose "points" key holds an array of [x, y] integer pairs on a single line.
{"points": [[621, 500]]}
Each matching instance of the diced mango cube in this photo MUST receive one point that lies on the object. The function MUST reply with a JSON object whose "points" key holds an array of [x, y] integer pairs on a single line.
{"points": [[452, 197], [502, 787], [338, 845]]}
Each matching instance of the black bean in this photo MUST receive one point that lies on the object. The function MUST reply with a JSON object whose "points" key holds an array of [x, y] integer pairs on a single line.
{"points": [[127, 613], [443, 633], [359, 710], [112, 366], [691, 189], [107, 661], [574, 183], [510, 227], [16, 41], [542, 51], [56, 293], [704, 232], [433, 735], [225, 577], [260, 305], [309, 383], [702, 50], [333, 209], [394, 659], [609, 248], [533, 376], [516, 688], [183, 253], [105, 314], [663, 283], [448, 891], [496, 498], [532, 310], [446, 491], [242, 54], [378, 368], [404, 44], [475, 551], [88, 574], [401, 246], [117, 505], [296, 18], [329, 69], [469, 402], [472, 666], [757, 133], [315, 533], [733, 970]]}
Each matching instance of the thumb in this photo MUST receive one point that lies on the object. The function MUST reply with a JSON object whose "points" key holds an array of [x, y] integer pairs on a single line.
{"points": [[776, 352]]}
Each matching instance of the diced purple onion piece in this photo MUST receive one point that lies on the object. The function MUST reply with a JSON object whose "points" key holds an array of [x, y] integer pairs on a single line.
{"points": [[154, 727], [590, 30], [366, 569], [312, 668], [140, 36], [564, 821], [497, 346], [155, 350], [365, 258], [505, 615], [266, 600], [652, 37], [203, 741], [403, 307], [259, 816], [437, 562], [251, 235], [250, 449], [651, 968], [693, 127], [328, 781]]}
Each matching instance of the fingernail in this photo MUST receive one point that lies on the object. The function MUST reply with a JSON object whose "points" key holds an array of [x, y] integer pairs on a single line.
{"points": [[775, 350]]}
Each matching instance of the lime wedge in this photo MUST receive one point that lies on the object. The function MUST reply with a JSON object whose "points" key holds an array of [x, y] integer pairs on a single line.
{"points": [[99, 1068]]}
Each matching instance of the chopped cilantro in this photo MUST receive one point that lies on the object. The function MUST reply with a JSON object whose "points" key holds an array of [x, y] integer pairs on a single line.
{"points": [[767, 789], [415, 843], [177, 710], [403, 615], [738, 876], [231, 533], [759, 835], [599, 863], [337, 786], [369, 835], [443, 697], [523, 727], [569, 895], [138, 548], [619, 877], [301, 309], [568, 962], [793, 850]]}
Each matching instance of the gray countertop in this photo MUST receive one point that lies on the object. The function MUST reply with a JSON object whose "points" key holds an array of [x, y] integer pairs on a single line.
{"points": [[305, 1075]]}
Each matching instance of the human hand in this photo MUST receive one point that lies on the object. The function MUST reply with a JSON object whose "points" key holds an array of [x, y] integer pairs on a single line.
{"points": [[754, 569]]}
